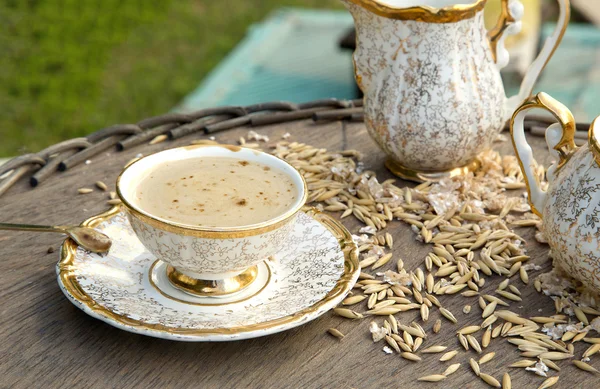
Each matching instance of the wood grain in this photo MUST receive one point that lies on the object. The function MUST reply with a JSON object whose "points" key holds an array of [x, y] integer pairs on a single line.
{"points": [[46, 342]]}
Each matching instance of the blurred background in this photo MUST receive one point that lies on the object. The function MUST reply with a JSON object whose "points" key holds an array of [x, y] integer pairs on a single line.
{"points": [[70, 67]]}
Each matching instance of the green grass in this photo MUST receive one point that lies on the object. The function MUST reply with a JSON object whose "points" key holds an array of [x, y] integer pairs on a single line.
{"points": [[69, 67]]}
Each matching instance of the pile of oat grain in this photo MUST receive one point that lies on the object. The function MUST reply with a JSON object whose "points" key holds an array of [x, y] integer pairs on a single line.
{"points": [[468, 222]]}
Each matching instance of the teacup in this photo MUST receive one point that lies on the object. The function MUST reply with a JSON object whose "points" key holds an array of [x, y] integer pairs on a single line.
{"points": [[202, 260]]}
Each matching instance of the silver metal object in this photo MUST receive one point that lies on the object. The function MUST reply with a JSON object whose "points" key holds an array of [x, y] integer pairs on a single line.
{"points": [[86, 237]]}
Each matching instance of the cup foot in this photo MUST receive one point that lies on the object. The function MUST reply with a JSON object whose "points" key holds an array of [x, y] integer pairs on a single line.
{"points": [[424, 175], [212, 288]]}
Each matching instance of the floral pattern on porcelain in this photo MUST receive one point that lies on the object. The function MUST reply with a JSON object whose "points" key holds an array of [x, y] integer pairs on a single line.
{"points": [[433, 95], [308, 266], [210, 258], [571, 218], [434, 98]]}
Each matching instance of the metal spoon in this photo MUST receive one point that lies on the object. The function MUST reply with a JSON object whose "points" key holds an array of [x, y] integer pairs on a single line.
{"points": [[86, 237]]}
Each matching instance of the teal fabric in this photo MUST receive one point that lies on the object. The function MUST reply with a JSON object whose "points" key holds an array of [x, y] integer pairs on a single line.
{"points": [[573, 74], [293, 56]]}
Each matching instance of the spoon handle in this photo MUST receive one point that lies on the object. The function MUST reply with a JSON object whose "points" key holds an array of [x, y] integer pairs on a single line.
{"points": [[30, 227]]}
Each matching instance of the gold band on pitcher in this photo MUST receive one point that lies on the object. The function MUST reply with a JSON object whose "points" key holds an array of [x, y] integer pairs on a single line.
{"points": [[450, 14], [423, 176]]}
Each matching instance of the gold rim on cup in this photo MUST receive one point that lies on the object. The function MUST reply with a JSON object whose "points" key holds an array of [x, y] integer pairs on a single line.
{"points": [[212, 232]]}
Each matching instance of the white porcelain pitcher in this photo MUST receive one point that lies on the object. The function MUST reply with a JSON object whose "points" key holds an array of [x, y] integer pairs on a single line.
{"points": [[570, 208], [430, 74]]}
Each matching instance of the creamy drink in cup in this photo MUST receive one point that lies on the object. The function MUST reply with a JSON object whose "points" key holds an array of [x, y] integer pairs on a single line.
{"points": [[212, 213]]}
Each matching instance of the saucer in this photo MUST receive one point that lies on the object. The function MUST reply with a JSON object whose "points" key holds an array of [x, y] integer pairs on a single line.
{"points": [[128, 287]]}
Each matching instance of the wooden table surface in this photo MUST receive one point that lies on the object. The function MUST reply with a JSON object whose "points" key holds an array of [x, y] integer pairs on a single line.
{"points": [[46, 342]]}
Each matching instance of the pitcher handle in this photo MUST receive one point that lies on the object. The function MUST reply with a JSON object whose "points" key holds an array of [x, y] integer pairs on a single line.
{"points": [[510, 16], [560, 138], [512, 11]]}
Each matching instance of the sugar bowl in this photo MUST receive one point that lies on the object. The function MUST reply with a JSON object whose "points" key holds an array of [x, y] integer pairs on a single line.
{"points": [[570, 207]]}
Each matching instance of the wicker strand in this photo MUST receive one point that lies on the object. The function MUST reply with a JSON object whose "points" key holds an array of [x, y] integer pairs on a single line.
{"points": [[67, 154]]}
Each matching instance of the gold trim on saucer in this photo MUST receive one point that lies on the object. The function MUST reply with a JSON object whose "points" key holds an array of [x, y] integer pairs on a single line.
{"points": [[422, 176], [450, 14], [210, 288], [76, 293], [213, 232]]}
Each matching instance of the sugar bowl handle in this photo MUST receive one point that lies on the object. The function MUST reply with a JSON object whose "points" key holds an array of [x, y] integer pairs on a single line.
{"points": [[560, 138]]}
